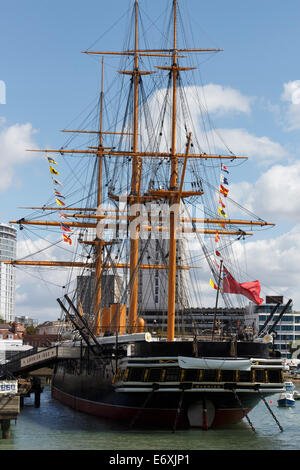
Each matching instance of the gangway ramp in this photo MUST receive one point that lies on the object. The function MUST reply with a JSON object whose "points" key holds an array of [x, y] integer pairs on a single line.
{"points": [[38, 358]]}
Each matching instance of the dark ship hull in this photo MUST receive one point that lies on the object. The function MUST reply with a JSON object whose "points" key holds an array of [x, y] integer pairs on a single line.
{"points": [[149, 387]]}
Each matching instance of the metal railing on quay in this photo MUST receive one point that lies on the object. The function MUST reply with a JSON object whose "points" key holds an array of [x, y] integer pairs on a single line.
{"points": [[15, 363]]}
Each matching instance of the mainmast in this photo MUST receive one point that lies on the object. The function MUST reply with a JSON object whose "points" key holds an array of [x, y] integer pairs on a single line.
{"points": [[135, 187], [174, 161], [173, 186]]}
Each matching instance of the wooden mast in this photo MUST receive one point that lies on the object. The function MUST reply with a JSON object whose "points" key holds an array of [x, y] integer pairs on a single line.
{"points": [[99, 245], [173, 186], [135, 189]]}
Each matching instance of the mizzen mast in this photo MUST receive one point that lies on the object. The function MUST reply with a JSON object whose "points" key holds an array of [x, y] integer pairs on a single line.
{"points": [[99, 243]]}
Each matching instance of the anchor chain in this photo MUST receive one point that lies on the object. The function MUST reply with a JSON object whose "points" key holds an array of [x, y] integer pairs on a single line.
{"points": [[149, 396], [244, 411], [269, 408], [178, 410]]}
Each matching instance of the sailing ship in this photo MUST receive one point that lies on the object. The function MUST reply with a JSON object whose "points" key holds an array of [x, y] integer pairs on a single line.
{"points": [[149, 171]]}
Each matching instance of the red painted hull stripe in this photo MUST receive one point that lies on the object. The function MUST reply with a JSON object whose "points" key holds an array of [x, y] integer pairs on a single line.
{"points": [[159, 416]]}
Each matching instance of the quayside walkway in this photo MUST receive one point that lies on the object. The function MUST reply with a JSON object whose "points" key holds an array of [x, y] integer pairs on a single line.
{"points": [[16, 382]]}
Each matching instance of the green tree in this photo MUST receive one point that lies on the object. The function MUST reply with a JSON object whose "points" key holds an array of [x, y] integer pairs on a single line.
{"points": [[30, 330]]}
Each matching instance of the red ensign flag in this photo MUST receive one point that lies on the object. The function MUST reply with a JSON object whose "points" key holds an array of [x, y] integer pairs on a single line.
{"points": [[251, 289]]}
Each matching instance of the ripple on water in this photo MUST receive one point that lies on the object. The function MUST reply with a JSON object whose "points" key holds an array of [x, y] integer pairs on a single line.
{"points": [[55, 426]]}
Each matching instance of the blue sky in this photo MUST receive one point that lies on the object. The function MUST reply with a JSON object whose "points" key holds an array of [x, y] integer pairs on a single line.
{"points": [[49, 83]]}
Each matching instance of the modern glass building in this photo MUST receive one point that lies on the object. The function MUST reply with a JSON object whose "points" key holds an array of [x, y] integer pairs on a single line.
{"points": [[153, 284], [7, 275], [287, 329]]}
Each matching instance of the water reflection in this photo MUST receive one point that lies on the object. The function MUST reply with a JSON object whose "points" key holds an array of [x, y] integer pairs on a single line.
{"points": [[54, 426]]}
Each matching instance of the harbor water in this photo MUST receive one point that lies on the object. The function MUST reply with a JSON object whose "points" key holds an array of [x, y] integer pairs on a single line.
{"points": [[54, 426]]}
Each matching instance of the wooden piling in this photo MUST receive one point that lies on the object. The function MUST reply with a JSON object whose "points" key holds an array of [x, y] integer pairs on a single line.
{"points": [[37, 390], [37, 399], [9, 409], [5, 427]]}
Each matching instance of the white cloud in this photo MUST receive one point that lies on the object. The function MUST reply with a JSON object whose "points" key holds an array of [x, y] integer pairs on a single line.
{"points": [[14, 140], [37, 290], [220, 99], [291, 92], [274, 262], [242, 143], [217, 100], [291, 95], [211, 98], [275, 194], [35, 297], [29, 247], [38, 287]]}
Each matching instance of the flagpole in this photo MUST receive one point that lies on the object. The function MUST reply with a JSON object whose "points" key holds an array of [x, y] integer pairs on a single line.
{"points": [[217, 298]]}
